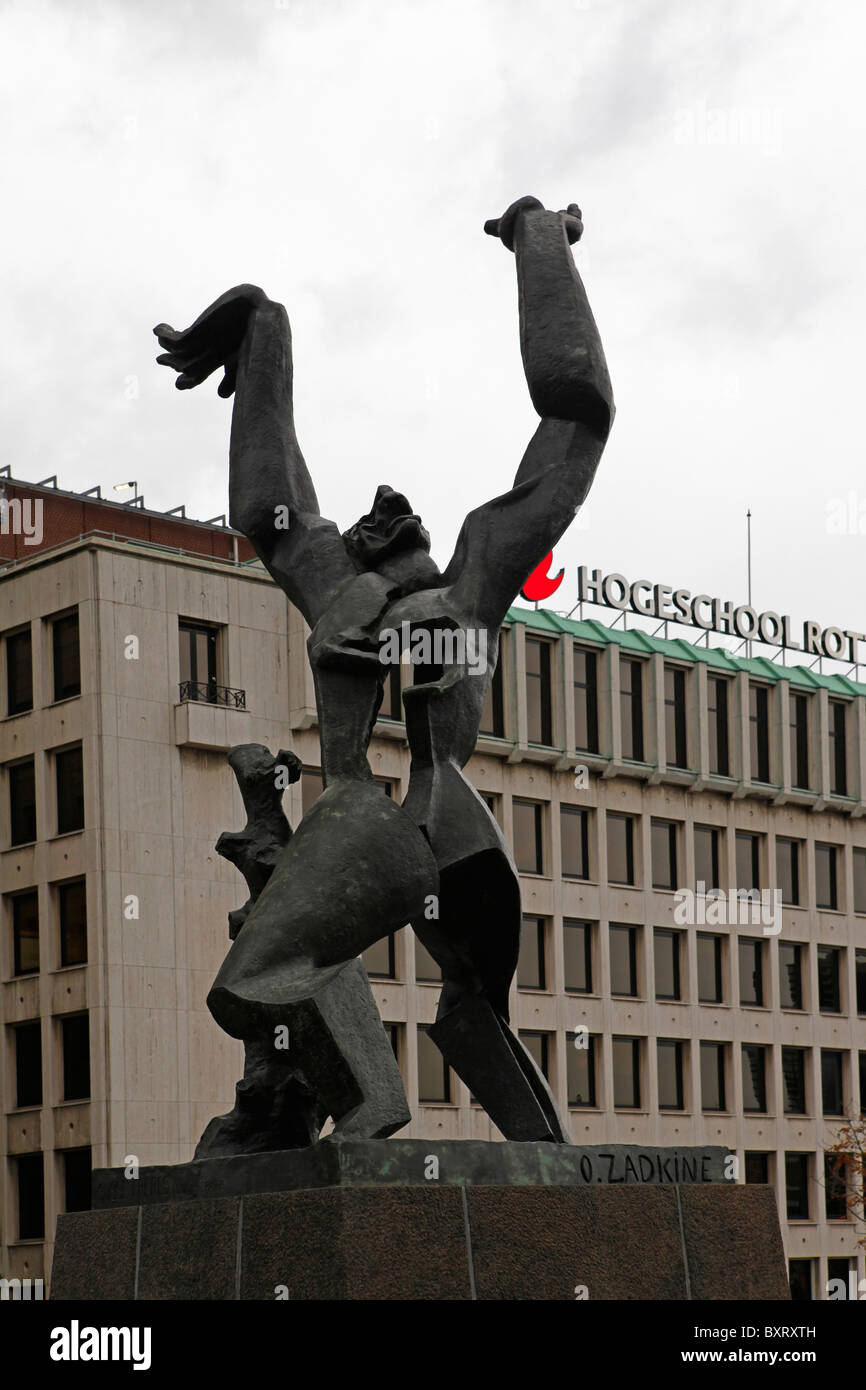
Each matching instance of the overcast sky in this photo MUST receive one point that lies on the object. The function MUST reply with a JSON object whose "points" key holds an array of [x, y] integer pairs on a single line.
{"points": [[345, 156]]}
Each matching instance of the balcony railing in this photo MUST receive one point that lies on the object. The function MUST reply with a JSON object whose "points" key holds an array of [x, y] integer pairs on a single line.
{"points": [[209, 693]]}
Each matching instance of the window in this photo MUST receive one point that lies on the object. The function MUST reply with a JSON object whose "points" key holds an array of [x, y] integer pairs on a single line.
{"points": [[829, 997], [751, 957], [538, 1047], [434, 1075], [860, 980], [19, 672], [72, 906], [577, 951], [69, 767], [493, 709], [706, 857], [531, 963], [838, 749], [31, 1197], [759, 733], [528, 843], [670, 1067], [623, 960], [666, 950], [831, 1083], [798, 706], [393, 1032], [626, 1073], [676, 752], [790, 975], [794, 1080], [712, 1076], [392, 704], [717, 706], [620, 848], [757, 1167], [426, 969], [748, 861], [22, 802], [25, 933], [825, 877], [631, 708], [198, 661], [378, 959], [574, 841], [67, 657], [75, 1045], [862, 1070], [663, 834], [838, 1273], [797, 1186], [800, 1280], [539, 716], [835, 1187], [754, 1079], [788, 870], [860, 880], [580, 1071], [28, 1064], [76, 1179], [585, 700], [709, 968], [312, 787]]}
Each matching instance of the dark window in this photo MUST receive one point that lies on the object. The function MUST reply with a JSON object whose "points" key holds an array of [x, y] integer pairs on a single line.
{"points": [[788, 870], [31, 1197], [861, 1066], [392, 704], [25, 933], [790, 975], [493, 709], [28, 1064], [67, 657], [663, 835], [757, 1167], [838, 749], [676, 752], [754, 1079], [528, 844], [580, 1071], [712, 1076], [623, 960], [19, 672], [539, 717], [798, 706], [800, 1280], [666, 950], [537, 1045], [825, 877], [72, 904], [531, 964], [76, 1179], [312, 787], [70, 790], [578, 957], [434, 1075], [829, 998], [426, 969], [832, 1102], [574, 841], [393, 1031], [631, 708], [759, 733], [748, 861], [706, 857], [717, 702], [838, 1271], [709, 968], [797, 1186], [860, 980], [22, 802], [751, 956], [198, 659], [585, 701], [670, 1066], [620, 848], [794, 1080], [75, 1039], [835, 1187], [378, 959], [860, 880], [626, 1073]]}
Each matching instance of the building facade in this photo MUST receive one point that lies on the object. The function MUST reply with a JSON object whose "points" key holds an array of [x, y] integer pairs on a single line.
{"points": [[635, 778]]}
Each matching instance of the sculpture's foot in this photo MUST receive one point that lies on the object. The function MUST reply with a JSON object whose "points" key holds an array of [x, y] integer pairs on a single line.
{"points": [[268, 1115], [369, 1121]]}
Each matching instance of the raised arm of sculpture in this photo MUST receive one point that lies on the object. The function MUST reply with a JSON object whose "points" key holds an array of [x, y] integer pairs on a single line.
{"points": [[272, 500], [502, 541]]}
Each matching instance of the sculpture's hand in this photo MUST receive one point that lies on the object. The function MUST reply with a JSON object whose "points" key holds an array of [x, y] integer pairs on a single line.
{"points": [[503, 226], [213, 341]]}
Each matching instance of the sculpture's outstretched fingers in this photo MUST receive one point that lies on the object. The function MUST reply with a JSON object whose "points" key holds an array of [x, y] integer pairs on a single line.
{"points": [[503, 226]]}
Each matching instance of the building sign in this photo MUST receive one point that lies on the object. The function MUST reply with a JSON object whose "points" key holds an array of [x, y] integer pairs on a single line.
{"points": [[671, 605]]}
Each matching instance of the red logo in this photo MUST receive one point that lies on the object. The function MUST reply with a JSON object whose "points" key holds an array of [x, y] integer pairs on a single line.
{"points": [[539, 585]]}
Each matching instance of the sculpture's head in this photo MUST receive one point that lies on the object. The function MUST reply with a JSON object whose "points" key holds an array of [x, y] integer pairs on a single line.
{"points": [[388, 529]]}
